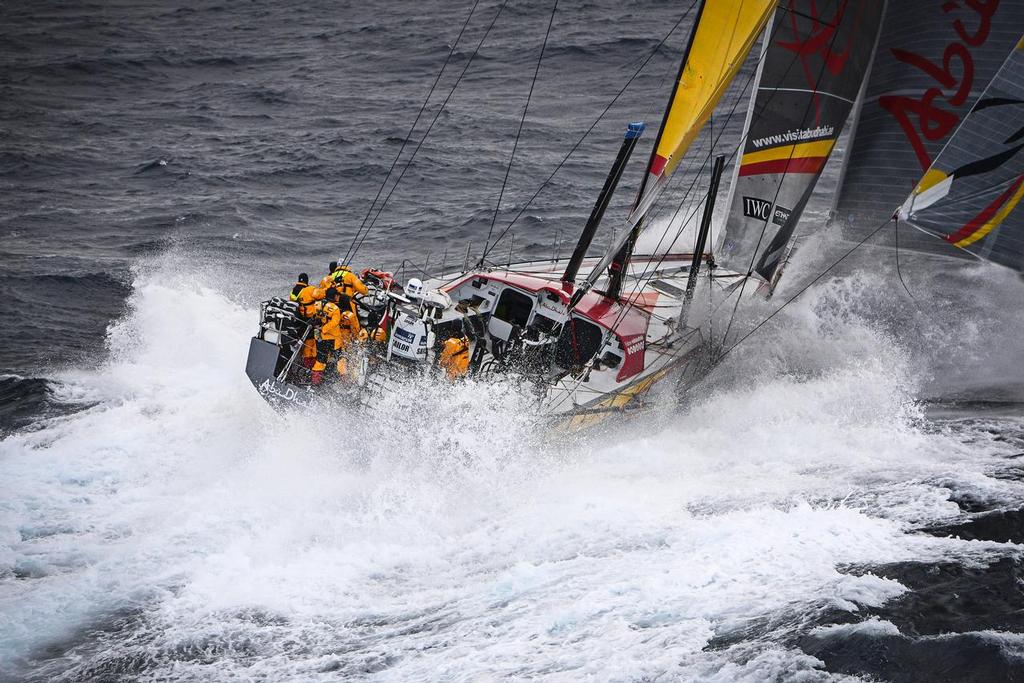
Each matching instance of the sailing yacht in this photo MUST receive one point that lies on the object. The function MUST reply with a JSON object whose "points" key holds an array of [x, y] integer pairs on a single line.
{"points": [[591, 347]]}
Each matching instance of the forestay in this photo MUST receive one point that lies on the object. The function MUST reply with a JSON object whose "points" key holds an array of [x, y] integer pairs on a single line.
{"points": [[932, 63], [809, 77], [970, 195]]}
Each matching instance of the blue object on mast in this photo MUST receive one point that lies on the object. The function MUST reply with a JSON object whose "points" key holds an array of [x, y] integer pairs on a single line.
{"points": [[635, 129]]}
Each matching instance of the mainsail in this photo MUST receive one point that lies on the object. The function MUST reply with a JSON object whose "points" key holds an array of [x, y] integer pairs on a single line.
{"points": [[808, 81], [722, 39], [969, 195], [932, 62]]}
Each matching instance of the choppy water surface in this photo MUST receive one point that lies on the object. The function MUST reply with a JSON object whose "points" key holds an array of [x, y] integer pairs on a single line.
{"points": [[842, 500]]}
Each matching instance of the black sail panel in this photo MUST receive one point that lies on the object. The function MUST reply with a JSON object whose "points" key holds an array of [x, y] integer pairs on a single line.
{"points": [[811, 72]]}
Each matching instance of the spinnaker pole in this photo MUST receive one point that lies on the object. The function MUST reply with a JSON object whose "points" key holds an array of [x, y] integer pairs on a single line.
{"points": [[633, 133]]}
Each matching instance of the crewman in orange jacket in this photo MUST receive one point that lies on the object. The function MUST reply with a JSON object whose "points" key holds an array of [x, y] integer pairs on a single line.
{"points": [[339, 329], [454, 358], [299, 286], [347, 283], [308, 297], [327, 281], [331, 337], [309, 346]]}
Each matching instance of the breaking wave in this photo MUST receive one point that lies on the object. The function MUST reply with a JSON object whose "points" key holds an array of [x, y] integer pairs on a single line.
{"points": [[175, 526]]}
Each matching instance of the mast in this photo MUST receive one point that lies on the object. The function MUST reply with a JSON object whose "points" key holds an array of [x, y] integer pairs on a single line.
{"points": [[617, 268], [633, 133]]}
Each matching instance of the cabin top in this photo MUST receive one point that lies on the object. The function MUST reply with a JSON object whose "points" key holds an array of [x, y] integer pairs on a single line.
{"points": [[628, 323]]}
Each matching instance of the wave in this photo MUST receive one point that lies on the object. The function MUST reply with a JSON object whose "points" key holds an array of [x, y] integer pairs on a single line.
{"points": [[221, 527]]}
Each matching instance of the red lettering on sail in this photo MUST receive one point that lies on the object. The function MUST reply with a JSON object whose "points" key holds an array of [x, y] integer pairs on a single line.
{"points": [[933, 122], [923, 118], [985, 10]]}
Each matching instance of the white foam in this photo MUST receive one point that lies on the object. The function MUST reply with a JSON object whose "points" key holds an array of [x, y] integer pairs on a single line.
{"points": [[451, 542]]}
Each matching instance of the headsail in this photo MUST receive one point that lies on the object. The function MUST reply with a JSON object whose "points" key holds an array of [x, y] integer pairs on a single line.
{"points": [[809, 78], [721, 42], [932, 63], [969, 196]]}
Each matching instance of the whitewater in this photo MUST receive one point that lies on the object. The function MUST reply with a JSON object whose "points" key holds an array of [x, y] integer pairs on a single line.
{"points": [[172, 525]]}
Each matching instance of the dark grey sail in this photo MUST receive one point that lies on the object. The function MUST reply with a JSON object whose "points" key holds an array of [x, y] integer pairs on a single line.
{"points": [[810, 73], [933, 61], [970, 195]]}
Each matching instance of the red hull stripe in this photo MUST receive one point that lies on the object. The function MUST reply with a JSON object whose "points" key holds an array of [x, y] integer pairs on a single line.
{"points": [[986, 214], [801, 165]]}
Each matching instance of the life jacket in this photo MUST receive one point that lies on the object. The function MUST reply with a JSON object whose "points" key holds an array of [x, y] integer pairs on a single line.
{"points": [[307, 298], [348, 283], [299, 286]]}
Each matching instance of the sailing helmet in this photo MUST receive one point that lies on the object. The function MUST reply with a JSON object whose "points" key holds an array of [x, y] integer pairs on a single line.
{"points": [[414, 290]]}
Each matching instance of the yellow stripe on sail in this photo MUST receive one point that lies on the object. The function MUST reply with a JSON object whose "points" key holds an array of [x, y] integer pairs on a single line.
{"points": [[992, 224], [803, 150], [721, 43], [932, 177]]}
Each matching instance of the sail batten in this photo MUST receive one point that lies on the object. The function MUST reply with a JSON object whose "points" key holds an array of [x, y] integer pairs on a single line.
{"points": [[813, 69]]}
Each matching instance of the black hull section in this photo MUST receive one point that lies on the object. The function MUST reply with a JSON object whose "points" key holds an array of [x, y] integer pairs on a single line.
{"points": [[262, 367]]}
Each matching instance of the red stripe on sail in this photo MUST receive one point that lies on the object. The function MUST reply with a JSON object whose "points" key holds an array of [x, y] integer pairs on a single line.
{"points": [[986, 214], [801, 165], [658, 165]]}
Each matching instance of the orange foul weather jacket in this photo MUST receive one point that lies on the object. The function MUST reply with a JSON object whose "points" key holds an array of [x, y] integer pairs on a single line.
{"points": [[339, 329], [454, 358], [308, 298], [346, 282]]}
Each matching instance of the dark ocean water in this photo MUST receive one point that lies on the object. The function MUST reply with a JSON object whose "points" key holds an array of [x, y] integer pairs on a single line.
{"points": [[844, 500]]}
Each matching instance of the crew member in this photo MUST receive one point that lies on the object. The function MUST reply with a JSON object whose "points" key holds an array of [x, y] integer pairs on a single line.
{"points": [[308, 298], [350, 328], [348, 284], [299, 286], [454, 357], [327, 281], [330, 339], [348, 332]]}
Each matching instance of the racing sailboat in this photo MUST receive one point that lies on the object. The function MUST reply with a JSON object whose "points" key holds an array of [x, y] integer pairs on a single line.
{"points": [[590, 348]]}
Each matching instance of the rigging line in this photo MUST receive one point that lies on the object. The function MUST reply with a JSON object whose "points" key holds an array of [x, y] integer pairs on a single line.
{"points": [[803, 289], [433, 121], [589, 130], [519, 132], [778, 189], [899, 273], [412, 129]]}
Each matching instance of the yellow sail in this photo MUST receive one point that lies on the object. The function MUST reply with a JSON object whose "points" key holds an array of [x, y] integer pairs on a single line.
{"points": [[723, 39]]}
